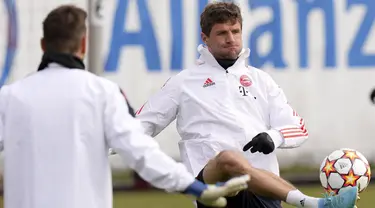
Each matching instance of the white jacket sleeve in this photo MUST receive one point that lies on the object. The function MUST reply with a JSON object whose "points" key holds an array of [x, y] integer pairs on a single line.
{"points": [[124, 134], [288, 129], [161, 108]]}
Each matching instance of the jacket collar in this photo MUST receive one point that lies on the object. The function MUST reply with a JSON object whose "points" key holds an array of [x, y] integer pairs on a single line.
{"points": [[66, 60], [208, 58]]}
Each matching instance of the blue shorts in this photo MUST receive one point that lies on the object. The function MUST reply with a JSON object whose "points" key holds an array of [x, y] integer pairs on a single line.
{"points": [[245, 199]]}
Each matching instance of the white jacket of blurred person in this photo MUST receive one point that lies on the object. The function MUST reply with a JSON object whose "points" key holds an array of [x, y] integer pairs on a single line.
{"points": [[56, 128], [218, 109]]}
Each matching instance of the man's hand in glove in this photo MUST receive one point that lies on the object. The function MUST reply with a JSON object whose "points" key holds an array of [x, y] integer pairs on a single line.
{"points": [[213, 195], [260, 143]]}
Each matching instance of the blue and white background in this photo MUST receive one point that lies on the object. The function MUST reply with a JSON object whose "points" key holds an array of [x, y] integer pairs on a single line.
{"points": [[321, 52]]}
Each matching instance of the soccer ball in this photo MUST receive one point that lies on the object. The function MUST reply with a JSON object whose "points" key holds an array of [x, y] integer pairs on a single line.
{"points": [[344, 168]]}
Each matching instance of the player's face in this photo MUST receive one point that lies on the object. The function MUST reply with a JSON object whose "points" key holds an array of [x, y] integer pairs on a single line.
{"points": [[225, 40]]}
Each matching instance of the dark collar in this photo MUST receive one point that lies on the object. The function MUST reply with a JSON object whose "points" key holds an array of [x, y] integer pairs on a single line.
{"points": [[226, 63], [66, 60]]}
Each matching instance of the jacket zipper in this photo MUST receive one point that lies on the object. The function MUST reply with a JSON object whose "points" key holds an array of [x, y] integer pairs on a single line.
{"points": [[239, 121]]}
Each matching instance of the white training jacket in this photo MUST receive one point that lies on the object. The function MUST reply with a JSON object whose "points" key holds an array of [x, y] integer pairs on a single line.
{"points": [[56, 128], [218, 110]]}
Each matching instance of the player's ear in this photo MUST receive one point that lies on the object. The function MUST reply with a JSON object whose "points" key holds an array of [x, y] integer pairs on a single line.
{"points": [[83, 46], [204, 38], [43, 45]]}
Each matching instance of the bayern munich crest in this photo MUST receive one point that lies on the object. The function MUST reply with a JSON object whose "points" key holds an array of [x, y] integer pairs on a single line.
{"points": [[245, 81]]}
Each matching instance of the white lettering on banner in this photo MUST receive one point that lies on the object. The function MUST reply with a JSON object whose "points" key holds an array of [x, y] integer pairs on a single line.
{"points": [[276, 27]]}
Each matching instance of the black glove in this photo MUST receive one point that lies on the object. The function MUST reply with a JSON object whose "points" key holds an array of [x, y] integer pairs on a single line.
{"points": [[260, 143]]}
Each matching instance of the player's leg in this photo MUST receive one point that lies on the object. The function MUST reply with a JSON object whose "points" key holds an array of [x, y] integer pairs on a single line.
{"points": [[229, 163], [281, 180], [243, 199]]}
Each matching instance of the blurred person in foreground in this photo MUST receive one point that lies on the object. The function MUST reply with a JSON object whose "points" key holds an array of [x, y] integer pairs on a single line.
{"points": [[57, 124], [232, 117]]}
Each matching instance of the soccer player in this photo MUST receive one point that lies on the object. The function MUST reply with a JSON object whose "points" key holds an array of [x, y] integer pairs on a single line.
{"points": [[223, 107], [57, 125]]}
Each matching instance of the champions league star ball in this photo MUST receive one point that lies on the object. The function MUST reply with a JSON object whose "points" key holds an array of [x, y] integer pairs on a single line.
{"points": [[344, 168]]}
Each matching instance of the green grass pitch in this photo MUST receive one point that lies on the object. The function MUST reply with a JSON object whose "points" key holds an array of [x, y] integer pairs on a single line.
{"points": [[163, 200], [149, 199]]}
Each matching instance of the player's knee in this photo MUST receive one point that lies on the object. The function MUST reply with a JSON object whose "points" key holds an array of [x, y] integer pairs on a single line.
{"points": [[231, 161], [225, 156]]}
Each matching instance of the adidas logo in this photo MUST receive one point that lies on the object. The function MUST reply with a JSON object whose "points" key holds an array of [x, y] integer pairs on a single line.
{"points": [[208, 83], [343, 165], [302, 202]]}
